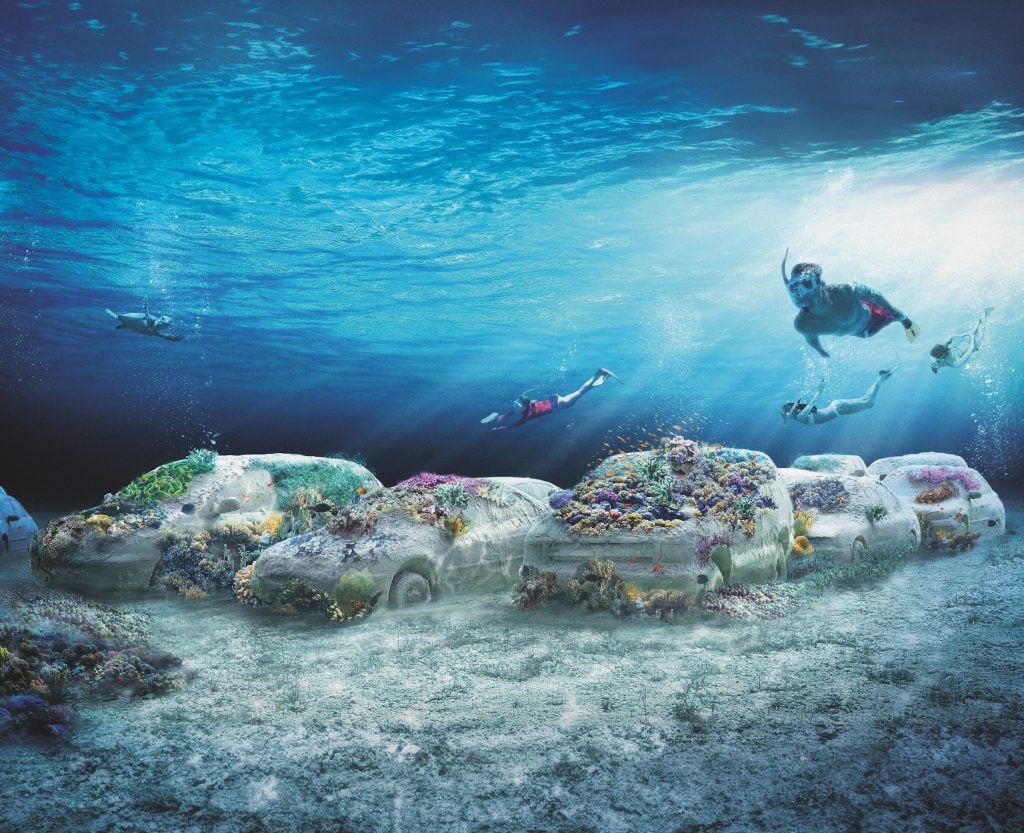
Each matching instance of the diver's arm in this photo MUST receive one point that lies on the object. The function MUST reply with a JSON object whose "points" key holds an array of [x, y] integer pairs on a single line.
{"points": [[815, 342]]}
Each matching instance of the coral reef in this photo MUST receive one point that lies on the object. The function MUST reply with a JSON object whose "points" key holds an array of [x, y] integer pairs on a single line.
{"points": [[648, 490], [826, 495], [706, 545], [595, 585], [55, 645]]}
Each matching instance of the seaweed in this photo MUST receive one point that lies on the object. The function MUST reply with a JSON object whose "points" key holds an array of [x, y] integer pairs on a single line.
{"points": [[169, 480]]}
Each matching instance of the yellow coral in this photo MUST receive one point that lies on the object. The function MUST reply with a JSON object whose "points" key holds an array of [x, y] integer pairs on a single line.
{"points": [[100, 523], [803, 520], [802, 547], [272, 524], [632, 592]]}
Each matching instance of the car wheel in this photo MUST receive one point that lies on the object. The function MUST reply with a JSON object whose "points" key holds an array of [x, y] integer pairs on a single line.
{"points": [[409, 589], [5, 547]]}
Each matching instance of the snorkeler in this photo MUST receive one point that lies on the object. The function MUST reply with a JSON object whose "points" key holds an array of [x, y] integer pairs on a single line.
{"points": [[807, 413], [144, 323], [842, 309], [526, 409], [960, 348]]}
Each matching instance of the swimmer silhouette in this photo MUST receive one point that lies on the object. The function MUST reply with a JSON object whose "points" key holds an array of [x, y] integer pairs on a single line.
{"points": [[842, 309], [144, 323]]}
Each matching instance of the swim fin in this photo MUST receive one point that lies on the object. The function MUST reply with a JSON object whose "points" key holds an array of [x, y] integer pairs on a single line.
{"points": [[598, 378], [913, 331], [490, 417]]}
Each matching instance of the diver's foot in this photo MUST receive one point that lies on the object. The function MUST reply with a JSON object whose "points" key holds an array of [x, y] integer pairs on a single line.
{"points": [[885, 374], [599, 377], [989, 311]]}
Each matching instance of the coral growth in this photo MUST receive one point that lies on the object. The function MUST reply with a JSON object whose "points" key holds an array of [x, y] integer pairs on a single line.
{"points": [[649, 490], [534, 588], [875, 512], [937, 475], [336, 485], [706, 545], [802, 547], [826, 495], [169, 480], [818, 462], [56, 646], [803, 520], [354, 596], [763, 602], [936, 494]]}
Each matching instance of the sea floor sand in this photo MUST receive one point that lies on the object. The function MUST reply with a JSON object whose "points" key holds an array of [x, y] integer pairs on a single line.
{"points": [[895, 705]]}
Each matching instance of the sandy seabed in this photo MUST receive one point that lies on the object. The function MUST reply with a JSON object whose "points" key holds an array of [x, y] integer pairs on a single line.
{"points": [[894, 706]]}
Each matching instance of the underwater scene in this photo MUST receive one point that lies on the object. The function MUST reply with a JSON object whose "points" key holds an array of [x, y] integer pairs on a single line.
{"points": [[534, 416]]}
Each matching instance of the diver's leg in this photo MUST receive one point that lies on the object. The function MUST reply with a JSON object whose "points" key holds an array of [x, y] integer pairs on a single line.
{"points": [[594, 381], [861, 403]]}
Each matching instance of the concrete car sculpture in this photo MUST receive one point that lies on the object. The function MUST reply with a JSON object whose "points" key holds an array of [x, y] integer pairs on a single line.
{"points": [[846, 517], [690, 517], [199, 518], [430, 536], [954, 503]]}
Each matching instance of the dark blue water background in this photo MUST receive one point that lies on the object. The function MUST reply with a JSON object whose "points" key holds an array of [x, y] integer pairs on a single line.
{"points": [[375, 223]]}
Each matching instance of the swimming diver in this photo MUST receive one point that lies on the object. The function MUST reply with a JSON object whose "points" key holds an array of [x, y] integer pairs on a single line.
{"points": [[527, 409], [807, 413], [144, 323], [843, 309], [958, 349]]}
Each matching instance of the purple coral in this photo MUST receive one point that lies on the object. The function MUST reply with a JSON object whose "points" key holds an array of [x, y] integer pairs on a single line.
{"points": [[940, 474], [607, 496], [560, 499], [705, 545], [429, 480], [825, 495]]}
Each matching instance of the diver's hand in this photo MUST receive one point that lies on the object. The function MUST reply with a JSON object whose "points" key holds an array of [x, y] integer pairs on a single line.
{"points": [[911, 329]]}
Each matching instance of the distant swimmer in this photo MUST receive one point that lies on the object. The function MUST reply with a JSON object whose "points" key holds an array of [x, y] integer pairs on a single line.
{"points": [[842, 309], [525, 409], [959, 349], [144, 323], [807, 413]]}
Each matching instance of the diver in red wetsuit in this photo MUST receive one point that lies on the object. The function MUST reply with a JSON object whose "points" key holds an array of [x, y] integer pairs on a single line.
{"points": [[526, 409], [842, 309]]}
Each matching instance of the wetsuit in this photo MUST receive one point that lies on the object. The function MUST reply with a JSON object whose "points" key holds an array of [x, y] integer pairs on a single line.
{"points": [[536, 409]]}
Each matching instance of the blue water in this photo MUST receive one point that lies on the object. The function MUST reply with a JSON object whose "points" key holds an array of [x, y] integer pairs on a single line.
{"points": [[376, 223]]}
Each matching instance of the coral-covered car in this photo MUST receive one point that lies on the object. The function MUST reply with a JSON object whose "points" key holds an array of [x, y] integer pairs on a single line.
{"points": [[954, 504], [688, 516], [846, 518], [429, 536], [191, 524], [16, 526]]}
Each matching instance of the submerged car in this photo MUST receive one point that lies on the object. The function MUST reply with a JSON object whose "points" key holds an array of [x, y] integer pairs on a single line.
{"points": [[692, 517], [953, 502], [16, 526], [428, 537], [848, 517]]}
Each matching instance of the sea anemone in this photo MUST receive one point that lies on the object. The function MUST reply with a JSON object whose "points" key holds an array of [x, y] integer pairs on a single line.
{"points": [[802, 547]]}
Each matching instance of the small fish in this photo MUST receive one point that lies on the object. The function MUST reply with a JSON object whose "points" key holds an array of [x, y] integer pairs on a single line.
{"points": [[271, 483], [678, 427], [321, 507]]}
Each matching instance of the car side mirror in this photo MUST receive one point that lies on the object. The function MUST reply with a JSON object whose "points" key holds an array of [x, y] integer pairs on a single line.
{"points": [[12, 518]]}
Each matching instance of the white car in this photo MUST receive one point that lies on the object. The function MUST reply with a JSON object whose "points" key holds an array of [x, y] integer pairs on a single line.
{"points": [[16, 526], [866, 519]]}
